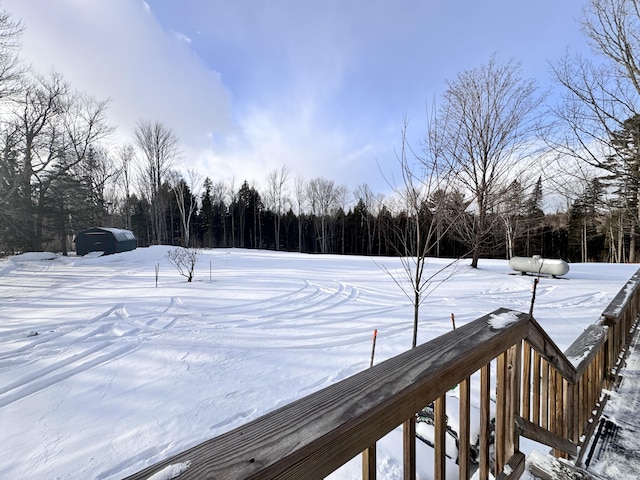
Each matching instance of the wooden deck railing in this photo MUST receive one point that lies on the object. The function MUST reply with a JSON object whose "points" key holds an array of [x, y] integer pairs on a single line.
{"points": [[538, 392]]}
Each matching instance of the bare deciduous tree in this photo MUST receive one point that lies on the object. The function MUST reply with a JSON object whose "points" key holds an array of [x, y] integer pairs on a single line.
{"points": [[161, 152], [11, 68], [184, 260], [125, 155], [324, 196], [416, 239], [277, 198], [485, 132], [187, 193], [370, 203], [602, 98], [301, 201]]}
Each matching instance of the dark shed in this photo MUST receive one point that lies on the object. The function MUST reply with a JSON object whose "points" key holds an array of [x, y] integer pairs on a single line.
{"points": [[107, 240]]}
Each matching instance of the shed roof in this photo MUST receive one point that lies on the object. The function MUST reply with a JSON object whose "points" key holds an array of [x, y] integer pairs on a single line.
{"points": [[120, 234]]}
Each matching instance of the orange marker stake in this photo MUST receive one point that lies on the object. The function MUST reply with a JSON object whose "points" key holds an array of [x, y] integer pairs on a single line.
{"points": [[373, 348]]}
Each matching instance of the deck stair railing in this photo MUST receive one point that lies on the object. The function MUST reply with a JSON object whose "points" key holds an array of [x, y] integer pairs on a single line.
{"points": [[523, 386]]}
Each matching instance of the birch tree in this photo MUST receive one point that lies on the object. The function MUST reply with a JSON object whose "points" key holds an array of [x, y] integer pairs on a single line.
{"points": [[160, 153]]}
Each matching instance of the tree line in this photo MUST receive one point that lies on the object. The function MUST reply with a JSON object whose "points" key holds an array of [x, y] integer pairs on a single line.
{"points": [[493, 149]]}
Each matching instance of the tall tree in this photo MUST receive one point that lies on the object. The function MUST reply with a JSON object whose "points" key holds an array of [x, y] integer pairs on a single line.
{"points": [[11, 67], [186, 192], [601, 94], [301, 202], [484, 131], [161, 152], [277, 198], [324, 197], [623, 165]]}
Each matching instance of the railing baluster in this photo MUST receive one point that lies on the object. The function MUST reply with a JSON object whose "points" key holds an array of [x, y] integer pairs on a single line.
{"points": [[544, 394], [500, 432], [369, 467], [514, 382], [536, 387], [526, 382], [440, 450], [409, 448], [485, 391], [465, 429]]}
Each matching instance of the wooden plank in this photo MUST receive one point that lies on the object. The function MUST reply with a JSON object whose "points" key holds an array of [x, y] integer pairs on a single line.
{"points": [[552, 400], [541, 341], [516, 466], [544, 394], [559, 407], [324, 430], [500, 416], [409, 449], [485, 413], [526, 382], [440, 451], [513, 383], [464, 438], [369, 464], [584, 349], [538, 434], [616, 307], [590, 429], [544, 468], [536, 387]]}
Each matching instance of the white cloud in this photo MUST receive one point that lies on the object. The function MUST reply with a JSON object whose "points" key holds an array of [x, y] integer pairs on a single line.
{"points": [[182, 37], [117, 50]]}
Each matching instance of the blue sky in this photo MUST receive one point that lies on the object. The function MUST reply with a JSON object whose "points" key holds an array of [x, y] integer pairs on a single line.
{"points": [[319, 86]]}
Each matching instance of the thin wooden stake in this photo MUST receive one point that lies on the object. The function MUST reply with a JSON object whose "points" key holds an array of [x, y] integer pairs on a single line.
{"points": [[157, 272], [533, 296], [453, 320], [373, 346], [369, 455]]}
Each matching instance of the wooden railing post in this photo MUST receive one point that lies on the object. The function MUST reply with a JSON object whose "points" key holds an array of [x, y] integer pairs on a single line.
{"points": [[369, 468], [485, 412], [500, 432], [465, 429], [526, 382], [536, 387], [514, 383], [440, 420], [409, 448]]}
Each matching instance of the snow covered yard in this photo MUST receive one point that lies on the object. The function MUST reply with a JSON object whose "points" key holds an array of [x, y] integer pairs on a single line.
{"points": [[103, 373]]}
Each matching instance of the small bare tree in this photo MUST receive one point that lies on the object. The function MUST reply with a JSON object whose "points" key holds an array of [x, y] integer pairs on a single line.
{"points": [[423, 195], [184, 260]]}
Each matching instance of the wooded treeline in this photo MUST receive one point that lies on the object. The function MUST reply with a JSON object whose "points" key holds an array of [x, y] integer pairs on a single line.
{"points": [[494, 152]]}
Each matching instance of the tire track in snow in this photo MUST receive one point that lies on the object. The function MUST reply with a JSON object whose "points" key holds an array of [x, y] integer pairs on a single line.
{"points": [[61, 333], [45, 377]]}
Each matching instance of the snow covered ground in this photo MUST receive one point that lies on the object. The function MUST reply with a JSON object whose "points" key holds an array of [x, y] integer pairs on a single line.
{"points": [[102, 372]]}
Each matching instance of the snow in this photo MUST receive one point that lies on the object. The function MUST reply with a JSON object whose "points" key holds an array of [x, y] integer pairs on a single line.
{"points": [[102, 373], [502, 320], [171, 471]]}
